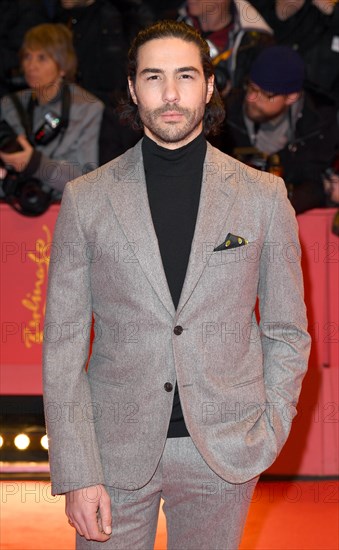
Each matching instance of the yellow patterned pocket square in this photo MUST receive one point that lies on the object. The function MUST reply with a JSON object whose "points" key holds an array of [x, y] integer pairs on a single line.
{"points": [[231, 241]]}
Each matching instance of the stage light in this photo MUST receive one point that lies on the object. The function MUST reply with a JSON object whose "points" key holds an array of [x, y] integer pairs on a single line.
{"points": [[22, 441], [44, 442], [1, 441]]}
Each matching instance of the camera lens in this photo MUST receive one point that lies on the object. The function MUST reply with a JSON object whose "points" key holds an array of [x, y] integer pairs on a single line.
{"points": [[32, 199]]}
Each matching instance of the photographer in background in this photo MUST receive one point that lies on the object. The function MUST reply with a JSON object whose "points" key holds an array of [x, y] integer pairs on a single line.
{"points": [[52, 128], [235, 33], [310, 27], [293, 133]]}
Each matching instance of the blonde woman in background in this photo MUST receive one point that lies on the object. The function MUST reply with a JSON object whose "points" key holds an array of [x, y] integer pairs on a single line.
{"points": [[57, 123]]}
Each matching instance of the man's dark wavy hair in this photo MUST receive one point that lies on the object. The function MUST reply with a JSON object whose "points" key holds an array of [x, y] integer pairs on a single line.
{"points": [[214, 112]]}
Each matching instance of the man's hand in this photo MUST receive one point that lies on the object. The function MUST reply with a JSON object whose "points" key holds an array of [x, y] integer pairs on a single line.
{"points": [[18, 161], [89, 511]]}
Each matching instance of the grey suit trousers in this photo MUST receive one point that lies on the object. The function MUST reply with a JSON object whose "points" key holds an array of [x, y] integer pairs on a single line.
{"points": [[203, 512]]}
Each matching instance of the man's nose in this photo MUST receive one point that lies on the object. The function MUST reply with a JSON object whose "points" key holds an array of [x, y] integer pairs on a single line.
{"points": [[252, 95], [170, 91]]}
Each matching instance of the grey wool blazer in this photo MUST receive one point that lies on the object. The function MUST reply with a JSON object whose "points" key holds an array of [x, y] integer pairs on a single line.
{"points": [[239, 379]]}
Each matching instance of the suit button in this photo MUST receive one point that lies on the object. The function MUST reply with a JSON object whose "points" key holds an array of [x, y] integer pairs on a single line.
{"points": [[168, 386], [178, 330]]}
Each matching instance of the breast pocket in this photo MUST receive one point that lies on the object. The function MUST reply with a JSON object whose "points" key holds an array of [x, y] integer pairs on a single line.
{"points": [[249, 253]]}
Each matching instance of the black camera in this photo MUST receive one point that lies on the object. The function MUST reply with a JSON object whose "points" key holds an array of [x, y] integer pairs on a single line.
{"points": [[26, 195], [8, 138], [221, 72], [251, 156], [259, 160]]}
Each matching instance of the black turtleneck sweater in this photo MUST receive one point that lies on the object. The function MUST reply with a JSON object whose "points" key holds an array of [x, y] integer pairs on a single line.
{"points": [[173, 179]]}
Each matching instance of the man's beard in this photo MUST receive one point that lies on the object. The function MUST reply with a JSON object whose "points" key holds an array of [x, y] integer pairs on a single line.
{"points": [[172, 132], [255, 116]]}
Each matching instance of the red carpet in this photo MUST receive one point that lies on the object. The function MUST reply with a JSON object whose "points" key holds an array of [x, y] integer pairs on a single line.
{"points": [[283, 515]]}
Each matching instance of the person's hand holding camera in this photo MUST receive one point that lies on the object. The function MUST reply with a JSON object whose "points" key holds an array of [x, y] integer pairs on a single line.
{"points": [[18, 161]]}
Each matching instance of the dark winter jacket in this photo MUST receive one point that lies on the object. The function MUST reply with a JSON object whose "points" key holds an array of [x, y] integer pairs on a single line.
{"points": [[304, 158]]}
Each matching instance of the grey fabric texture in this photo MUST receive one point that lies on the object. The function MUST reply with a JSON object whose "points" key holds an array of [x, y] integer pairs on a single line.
{"points": [[239, 381], [201, 509]]}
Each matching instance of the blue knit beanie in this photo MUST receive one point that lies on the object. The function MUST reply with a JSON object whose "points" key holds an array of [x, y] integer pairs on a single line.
{"points": [[278, 69]]}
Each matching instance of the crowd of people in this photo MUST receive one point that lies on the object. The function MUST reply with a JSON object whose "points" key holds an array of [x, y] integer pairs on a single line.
{"points": [[298, 128]]}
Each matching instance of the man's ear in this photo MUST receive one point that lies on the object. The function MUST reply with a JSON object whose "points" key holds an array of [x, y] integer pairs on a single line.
{"points": [[210, 88], [292, 98], [131, 91]]}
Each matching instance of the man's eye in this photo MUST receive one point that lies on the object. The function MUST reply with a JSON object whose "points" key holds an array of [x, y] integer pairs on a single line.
{"points": [[186, 76], [153, 77]]}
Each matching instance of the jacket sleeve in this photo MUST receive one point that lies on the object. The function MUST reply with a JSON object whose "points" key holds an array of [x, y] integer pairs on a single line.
{"points": [[283, 321], [69, 413]]}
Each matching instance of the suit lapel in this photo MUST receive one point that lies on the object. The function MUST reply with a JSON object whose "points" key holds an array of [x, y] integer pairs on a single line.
{"points": [[128, 197], [218, 193]]}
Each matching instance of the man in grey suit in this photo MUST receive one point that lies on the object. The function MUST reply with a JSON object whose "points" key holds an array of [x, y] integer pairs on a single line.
{"points": [[168, 248]]}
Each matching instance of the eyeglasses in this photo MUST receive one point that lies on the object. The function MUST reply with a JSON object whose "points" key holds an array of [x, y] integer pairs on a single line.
{"points": [[255, 92]]}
